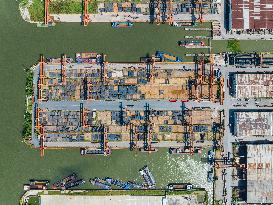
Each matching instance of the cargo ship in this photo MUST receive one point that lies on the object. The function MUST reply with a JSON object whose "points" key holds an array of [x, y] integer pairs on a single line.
{"points": [[183, 23], [73, 184], [126, 24], [167, 57], [180, 186], [86, 151], [100, 183], [185, 150], [191, 44], [124, 185], [36, 185], [148, 177], [64, 181]]}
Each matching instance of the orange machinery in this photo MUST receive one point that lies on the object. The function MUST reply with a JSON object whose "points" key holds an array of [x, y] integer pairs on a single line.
{"points": [[105, 142], [211, 79], [47, 18], [115, 8], [41, 77], [157, 13], [201, 77], [86, 18], [201, 20], [40, 128], [63, 69], [222, 93], [170, 12], [190, 135]]}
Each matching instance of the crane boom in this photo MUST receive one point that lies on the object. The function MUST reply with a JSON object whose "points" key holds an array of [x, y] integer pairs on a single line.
{"points": [[86, 18], [47, 17]]}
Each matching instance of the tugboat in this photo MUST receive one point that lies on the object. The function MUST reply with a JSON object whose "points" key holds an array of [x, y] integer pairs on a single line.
{"points": [[167, 57], [126, 24]]}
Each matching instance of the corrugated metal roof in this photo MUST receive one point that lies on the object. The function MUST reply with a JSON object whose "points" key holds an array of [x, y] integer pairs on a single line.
{"points": [[259, 173], [257, 85], [252, 14]]}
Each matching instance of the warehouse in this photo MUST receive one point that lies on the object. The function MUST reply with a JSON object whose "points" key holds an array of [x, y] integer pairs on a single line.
{"points": [[253, 85], [253, 124], [259, 173], [252, 14]]}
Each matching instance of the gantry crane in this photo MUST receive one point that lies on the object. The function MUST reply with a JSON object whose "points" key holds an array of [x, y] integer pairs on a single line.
{"points": [[41, 77], [211, 79], [40, 129], [42, 142], [132, 137], [47, 17], [147, 135], [157, 12], [222, 93], [200, 77], [121, 114], [201, 20], [106, 148], [85, 88], [151, 69], [86, 17], [105, 73], [190, 135], [170, 12], [63, 69], [83, 116]]}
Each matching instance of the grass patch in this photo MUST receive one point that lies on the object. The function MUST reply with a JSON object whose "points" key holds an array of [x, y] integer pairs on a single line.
{"points": [[34, 200], [234, 46], [23, 2], [36, 10], [71, 7], [29, 82], [27, 125]]}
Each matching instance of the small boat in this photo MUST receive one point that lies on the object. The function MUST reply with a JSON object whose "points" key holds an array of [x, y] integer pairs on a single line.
{"points": [[126, 24]]}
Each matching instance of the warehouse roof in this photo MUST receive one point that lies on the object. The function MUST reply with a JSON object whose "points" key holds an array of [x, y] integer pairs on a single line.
{"points": [[254, 85], [259, 173], [253, 124], [252, 14]]}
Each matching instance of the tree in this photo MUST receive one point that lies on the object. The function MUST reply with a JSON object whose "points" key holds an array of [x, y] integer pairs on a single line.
{"points": [[234, 46]]}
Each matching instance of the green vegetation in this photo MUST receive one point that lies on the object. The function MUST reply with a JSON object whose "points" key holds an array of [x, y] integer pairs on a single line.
{"points": [[234, 46], [37, 11], [34, 200], [24, 2], [29, 82], [27, 125], [218, 202]]}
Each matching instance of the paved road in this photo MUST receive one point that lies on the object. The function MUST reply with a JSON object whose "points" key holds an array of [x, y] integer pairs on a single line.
{"points": [[122, 145], [126, 16], [129, 104]]}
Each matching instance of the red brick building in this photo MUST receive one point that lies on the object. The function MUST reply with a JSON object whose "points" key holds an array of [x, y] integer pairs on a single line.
{"points": [[252, 14]]}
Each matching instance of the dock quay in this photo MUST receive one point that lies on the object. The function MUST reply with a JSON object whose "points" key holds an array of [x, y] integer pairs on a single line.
{"points": [[98, 105]]}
